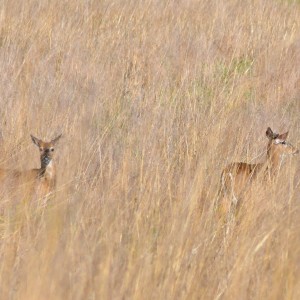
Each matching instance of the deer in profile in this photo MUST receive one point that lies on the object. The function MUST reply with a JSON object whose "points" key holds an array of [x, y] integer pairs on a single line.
{"points": [[42, 180], [237, 176]]}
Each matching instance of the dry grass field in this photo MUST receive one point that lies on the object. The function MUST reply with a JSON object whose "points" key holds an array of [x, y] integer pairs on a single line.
{"points": [[153, 99]]}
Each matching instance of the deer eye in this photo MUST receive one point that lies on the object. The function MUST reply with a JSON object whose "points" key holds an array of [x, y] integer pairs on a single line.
{"points": [[52, 149], [283, 142]]}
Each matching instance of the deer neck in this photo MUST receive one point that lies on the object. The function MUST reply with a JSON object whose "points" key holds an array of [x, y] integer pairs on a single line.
{"points": [[273, 162], [47, 169]]}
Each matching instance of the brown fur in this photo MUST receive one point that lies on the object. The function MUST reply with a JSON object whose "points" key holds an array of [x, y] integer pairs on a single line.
{"points": [[236, 177], [40, 181]]}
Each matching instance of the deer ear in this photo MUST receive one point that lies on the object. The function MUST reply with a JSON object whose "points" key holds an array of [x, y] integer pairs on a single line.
{"points": [[269, 133], [283, 136], [35, 140], [54, 141]]}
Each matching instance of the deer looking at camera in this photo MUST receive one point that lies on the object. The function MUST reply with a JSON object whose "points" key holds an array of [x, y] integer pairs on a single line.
{"points": [[237, 176], [46, 174], [43, 180]]}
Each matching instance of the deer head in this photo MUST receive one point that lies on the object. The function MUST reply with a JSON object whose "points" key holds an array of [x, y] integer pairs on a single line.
{"points": [[47, 149], [278, 144]]}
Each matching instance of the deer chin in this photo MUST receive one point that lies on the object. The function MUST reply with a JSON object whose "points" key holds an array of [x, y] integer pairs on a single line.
{"points": [[46, 160]]}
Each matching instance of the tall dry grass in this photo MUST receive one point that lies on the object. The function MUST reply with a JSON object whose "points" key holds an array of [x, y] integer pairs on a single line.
{"points": [[153, 98]]}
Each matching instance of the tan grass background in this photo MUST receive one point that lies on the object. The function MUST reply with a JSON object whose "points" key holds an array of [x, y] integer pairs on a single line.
{"points": [[153, 99]]}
